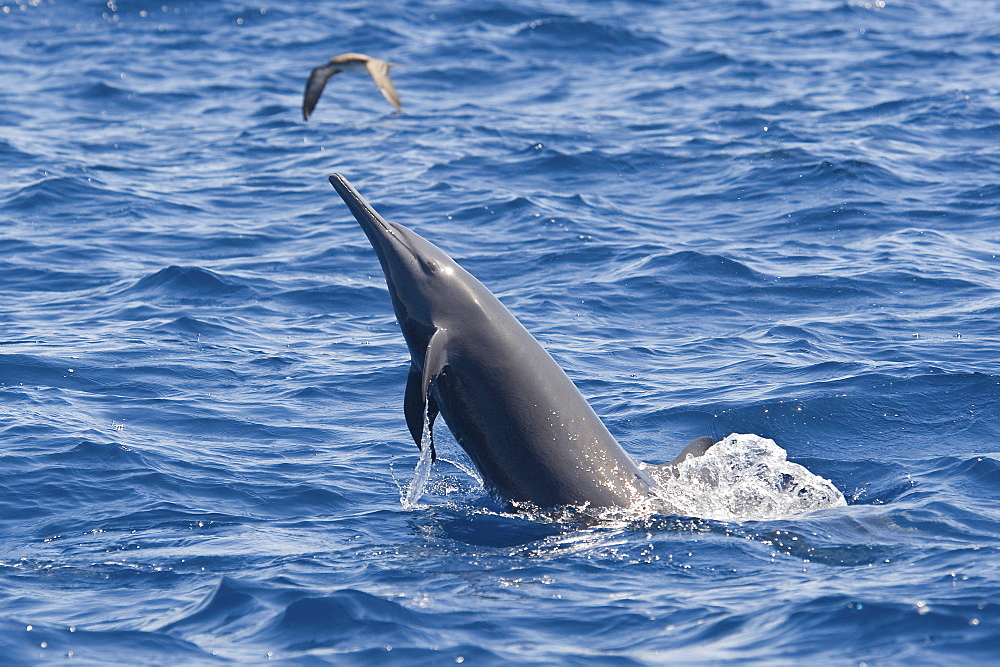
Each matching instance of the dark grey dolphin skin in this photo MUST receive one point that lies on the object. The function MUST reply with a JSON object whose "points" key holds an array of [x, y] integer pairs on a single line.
{"points": [[521, 420]]}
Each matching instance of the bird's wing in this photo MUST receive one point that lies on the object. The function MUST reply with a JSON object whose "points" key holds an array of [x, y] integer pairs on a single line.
{"points": [[379, 69], [314, 88]]}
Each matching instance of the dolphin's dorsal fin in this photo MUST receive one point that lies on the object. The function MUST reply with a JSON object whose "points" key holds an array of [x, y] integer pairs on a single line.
{"points": [[696, 447]]}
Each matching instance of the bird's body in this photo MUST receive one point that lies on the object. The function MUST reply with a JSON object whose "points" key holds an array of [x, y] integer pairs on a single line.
{"points": [[349, 62]]}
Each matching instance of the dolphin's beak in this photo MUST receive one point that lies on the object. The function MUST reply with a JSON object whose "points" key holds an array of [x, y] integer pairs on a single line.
{"points": [[375, 225], [388, 243]]}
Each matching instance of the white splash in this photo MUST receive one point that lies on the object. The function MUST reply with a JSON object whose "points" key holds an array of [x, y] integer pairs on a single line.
{"points": [[415, 488], [422, 473], [744, 478]]}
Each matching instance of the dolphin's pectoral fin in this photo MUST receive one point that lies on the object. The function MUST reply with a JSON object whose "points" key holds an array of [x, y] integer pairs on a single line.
{"points": [[415, 407], [418, 401], [435, 361], [413, 404]]}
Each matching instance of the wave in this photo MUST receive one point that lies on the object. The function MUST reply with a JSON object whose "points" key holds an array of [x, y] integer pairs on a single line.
{"points": [[33, 643], [746, 217], [192, 285], [574, 37]]}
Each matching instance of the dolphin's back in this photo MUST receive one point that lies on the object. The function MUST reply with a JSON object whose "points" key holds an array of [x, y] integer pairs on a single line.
{"points": [[525, 424]]}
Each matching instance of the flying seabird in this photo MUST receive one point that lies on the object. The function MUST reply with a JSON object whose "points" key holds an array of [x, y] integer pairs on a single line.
{"points": [[349, 62]]}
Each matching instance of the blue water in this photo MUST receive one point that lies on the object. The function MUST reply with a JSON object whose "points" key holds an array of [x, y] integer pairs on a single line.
{"points": [[747, 216]]}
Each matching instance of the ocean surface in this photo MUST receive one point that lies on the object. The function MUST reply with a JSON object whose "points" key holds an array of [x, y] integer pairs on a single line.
{"points": [[769, 218]]}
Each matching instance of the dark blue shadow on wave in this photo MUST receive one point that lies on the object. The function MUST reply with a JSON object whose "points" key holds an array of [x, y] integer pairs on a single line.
{"points": [[231, 605], [52, 194], [191, 326], [568, 35], [875, 626], [491, 530], [192, 284], [27, 644], [288, 622], [354, 621], [345, 617], [28, 369]]}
